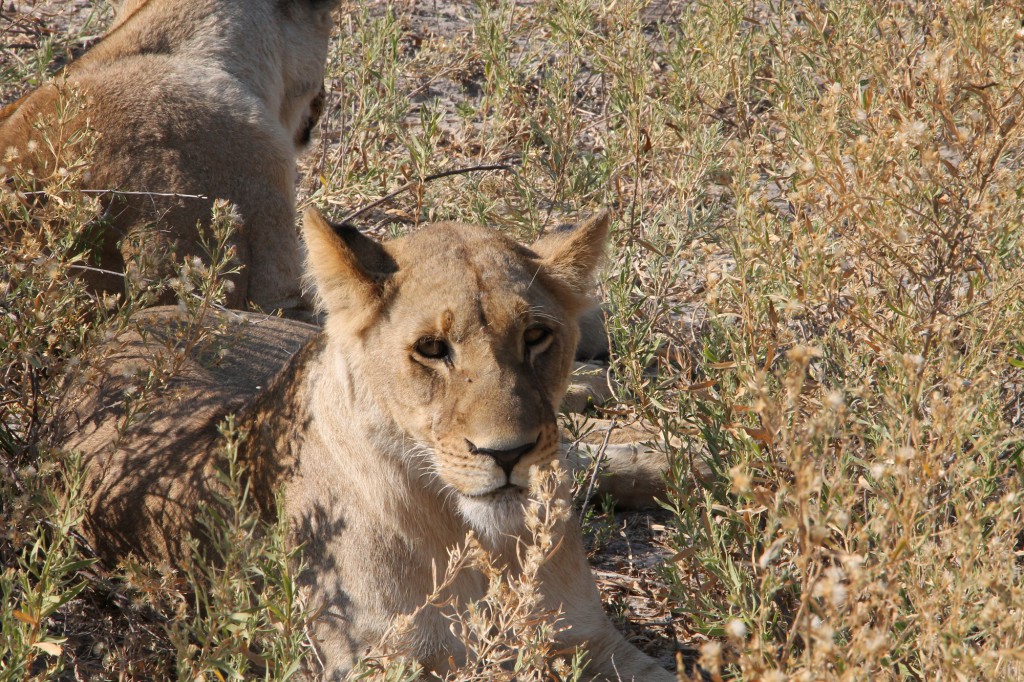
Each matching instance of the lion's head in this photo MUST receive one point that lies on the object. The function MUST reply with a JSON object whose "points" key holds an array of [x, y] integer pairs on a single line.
{"points": [[466, 340]]}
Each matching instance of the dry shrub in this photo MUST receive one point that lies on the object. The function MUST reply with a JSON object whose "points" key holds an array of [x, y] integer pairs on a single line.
{"points": [[816, 282], [47, 322], [864, 315]]}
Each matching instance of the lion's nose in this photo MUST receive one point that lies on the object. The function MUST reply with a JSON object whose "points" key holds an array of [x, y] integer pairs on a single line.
{"points": [[505, 458]]}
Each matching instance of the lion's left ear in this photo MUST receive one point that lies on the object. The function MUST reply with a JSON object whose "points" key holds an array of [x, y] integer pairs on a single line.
{"points": [[569, 257]]}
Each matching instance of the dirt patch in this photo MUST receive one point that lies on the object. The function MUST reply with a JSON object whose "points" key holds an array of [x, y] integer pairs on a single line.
{"points": [[627, 565]]}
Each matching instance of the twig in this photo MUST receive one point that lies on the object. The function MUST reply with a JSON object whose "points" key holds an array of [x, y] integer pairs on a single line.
{"points": [[212, 304], [89, 268], [412, 183], [127, 193], [625, 580], [597, 466], [176, 195]]}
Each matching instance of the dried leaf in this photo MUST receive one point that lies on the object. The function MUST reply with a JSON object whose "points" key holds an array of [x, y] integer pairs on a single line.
{"points": [[25, 618], [51, 648]]}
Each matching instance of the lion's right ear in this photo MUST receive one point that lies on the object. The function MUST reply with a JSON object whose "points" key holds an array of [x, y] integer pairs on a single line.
{"points": [[350, 270]]}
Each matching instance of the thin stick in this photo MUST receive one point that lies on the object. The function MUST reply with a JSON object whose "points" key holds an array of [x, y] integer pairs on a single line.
{"points": [[412, 183], [597, 466], [89, 268], [174, 195]]}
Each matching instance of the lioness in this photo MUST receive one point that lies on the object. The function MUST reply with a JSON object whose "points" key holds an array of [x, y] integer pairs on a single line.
{"points": [[414, 417], [190, 101]]}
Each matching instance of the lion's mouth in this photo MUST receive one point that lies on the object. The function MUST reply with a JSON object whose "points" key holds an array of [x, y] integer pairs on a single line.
{"points": [[506, 490]]}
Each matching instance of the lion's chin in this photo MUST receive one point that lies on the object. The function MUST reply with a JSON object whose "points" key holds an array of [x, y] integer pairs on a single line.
{"points": [[496, 514]]}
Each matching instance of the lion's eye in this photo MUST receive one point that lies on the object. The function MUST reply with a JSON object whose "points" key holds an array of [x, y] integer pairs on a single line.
{"points": [[536, 336], [433, 348]]}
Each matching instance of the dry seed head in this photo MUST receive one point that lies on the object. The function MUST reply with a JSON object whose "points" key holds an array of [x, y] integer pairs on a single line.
{"points": [[823, 633], [913, 361], [831, 587], [184, 284], [835, 400], [875, 644], [226, 210], [817, 533], [803, 354], [911, 132], [741, 480], [711, 656], [992, 610], [736, 629]]}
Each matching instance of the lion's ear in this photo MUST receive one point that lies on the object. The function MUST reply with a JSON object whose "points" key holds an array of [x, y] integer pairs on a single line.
{"points": [[349, 269], [570, 256]]}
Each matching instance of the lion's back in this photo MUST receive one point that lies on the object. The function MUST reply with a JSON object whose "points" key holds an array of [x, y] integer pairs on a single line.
{"points": [[148, 475]]}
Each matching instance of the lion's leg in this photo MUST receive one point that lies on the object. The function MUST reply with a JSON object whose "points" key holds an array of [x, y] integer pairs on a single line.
{"points": [[631, 473], [589, 384], [593, 343], [568, 584], [275, 264], [632, 464]]}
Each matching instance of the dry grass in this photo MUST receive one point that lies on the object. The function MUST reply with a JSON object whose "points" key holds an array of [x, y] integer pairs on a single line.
{"points": [[816, 280]]}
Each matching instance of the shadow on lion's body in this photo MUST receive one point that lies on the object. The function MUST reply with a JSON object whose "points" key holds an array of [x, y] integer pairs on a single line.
{"points": [[187, 101], [388, 450], [166, 454]]}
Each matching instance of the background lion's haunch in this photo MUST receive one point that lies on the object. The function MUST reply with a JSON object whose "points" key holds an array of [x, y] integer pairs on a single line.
{"points": [[187, 102]]}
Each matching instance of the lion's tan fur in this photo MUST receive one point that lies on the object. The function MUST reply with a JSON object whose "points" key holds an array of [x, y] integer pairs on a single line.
{"points": [[189, 98], [379, 447]]}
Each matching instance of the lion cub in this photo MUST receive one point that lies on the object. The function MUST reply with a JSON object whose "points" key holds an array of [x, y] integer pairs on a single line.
{"points": [[189, 101], [416, 416]]}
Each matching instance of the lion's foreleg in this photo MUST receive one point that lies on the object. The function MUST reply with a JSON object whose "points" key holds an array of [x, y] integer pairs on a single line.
{"points": [[569, 585]]}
